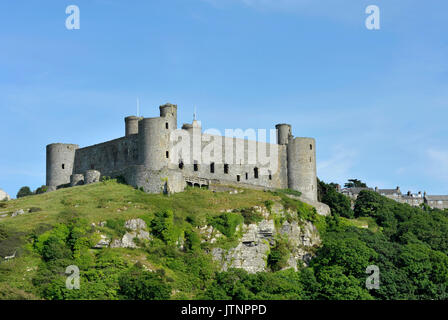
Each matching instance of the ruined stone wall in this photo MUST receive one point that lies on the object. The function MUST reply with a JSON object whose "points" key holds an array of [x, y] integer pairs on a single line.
{"points": [[110, 158]]}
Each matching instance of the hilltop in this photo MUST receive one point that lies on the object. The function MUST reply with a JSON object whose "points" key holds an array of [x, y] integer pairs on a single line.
{"points": [[235, 244]]}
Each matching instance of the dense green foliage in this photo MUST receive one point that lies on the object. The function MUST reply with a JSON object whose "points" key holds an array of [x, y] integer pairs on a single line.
{"points": [[24, 191], [409, 246], [355, 183], [339, 203]]}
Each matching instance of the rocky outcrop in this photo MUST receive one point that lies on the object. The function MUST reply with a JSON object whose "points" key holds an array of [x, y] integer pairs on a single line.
{"points": [[303, 238], [252, 251], [103, 243], [17, 213], [209, 234], [137, 229], [4, 196]]}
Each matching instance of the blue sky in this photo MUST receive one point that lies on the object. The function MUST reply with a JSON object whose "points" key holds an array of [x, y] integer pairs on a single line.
{"points": [[376, 101]]}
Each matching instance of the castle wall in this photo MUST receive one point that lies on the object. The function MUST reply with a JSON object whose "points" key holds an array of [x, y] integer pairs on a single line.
{"points": [[153, 143], [60, 162], [110, 158], [236, 153], [302, 167]]}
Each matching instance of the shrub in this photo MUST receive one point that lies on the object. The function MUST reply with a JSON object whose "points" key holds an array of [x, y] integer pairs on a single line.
{"points": [[162, 226], [251, 216], [279, 255], [137, 284], [41, 189], [24, 191], [227, 223]]}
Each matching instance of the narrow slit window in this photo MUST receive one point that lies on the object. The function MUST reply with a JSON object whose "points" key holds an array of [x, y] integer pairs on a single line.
{"points": [[238, 178], [226, 168], [256, 173], [311, 147], [247, 176], [212, 167], [166, 125], [181, 165], [63, 166], [167, 154], [195, 166]]}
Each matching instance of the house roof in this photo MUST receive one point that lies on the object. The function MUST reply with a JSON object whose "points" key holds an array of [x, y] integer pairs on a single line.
{"points": [[355, 190], [437, 198], [388, 191]]}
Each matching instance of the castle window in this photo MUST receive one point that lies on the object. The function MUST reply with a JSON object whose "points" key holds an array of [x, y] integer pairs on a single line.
{"points": [[270, 175], [181, 165], [311, 147], [63, 166], [212, 167], [167, 154], [247, 176], [195, 166], [226, 168], [256, 173], [166, 125], [238, 178]]}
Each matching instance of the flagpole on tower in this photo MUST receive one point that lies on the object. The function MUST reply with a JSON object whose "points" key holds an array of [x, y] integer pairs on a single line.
{"points": [[138, 107]]}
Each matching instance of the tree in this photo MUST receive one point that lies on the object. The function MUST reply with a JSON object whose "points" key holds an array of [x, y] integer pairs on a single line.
{"points": [[338, 203], [24, 191], [355, 183], [137, 284], [162, 227], [41, 189]]}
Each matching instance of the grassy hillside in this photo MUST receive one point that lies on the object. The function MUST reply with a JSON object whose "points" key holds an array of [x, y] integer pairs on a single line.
{"points": [[72, 218], [408, 245]]}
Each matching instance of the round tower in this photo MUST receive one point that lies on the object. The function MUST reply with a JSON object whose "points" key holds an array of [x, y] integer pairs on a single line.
{"points": [[169, 111], [60, 162], [131, 124], [302, 167], [284, 133], [154, 143]]}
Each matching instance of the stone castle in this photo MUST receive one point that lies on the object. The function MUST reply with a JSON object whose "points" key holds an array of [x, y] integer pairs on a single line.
{"points": [[148, 157]]}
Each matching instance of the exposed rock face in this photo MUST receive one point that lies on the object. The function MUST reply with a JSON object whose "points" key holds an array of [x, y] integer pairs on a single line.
{"points": [[18, 213], [103, 243], [209, 234], [252, 251], [4, 196], [302, 238], [137, 229]]}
